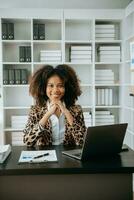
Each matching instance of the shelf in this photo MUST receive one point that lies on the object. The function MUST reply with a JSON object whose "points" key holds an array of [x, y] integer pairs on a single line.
{"points": [[112, 85], [17, 63], [109, 41], [12, 129], [16, 41], [46, 41], [16, 108], [78, 41], [113, 106], [105, 63], [15, 86]]}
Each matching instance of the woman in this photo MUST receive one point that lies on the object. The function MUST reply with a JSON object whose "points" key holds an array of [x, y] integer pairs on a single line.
{"points": [[55, 119]]}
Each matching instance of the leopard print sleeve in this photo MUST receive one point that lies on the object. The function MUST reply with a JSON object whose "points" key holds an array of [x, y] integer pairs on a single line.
{"points": [[78, 128], [33, 133]]}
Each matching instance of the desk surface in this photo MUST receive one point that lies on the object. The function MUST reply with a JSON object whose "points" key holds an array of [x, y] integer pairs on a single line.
{"points": [[122, 163]]}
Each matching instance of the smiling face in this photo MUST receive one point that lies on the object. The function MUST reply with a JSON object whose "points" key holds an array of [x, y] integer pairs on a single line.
{"points": [[55, 89]]}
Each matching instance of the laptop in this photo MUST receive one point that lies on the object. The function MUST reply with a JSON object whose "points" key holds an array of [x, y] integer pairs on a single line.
{"points": [[100, 141]]}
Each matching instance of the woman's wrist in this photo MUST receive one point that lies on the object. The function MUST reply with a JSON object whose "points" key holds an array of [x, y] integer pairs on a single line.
{"points": [[68, 116], [44, 119]]}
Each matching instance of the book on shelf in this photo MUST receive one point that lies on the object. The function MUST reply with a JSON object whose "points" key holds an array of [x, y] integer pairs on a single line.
{"points": [[81, 61], [109, 52], [35, 31], [11, 75], [4, 31], [10, 27], [104, 96], [82, 56], [81, 52], [111, 60], [50, 53], [17, 76], [80, 47], [87, 119], [17, 138], [18, 122], [5, 150], [22, 53], [41, 31], [102, 112], [24, 76], [104, 30], [5, 77], [105, 35], [109, 47], [104, 26], [50, 56], [27, 53], [103, 117]]}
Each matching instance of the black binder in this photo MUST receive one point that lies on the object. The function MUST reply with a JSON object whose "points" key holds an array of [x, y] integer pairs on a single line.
{"points": [[10, 27], [41, 31], [27, 54], [4, 31], [11, 76], [5, 77], [17, 76], [35, 31], [21, 53], [24, 76]]}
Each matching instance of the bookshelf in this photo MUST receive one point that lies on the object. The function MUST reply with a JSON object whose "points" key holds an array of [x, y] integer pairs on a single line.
{"points": [[128, 77], [74, 36]]}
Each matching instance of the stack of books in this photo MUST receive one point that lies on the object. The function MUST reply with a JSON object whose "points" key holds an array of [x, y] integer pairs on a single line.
{"points": [[87, 119], [104, 97], [17, 138], [109, 53], [39, 31], [81, 54], [7, 31], [5, 150], [105, 31], [18, 122], [50, 56], [25, 53], [104, 117], [15, 76], [104, 76]]}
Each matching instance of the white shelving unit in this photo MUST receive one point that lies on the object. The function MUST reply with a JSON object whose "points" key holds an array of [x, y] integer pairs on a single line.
{"points": [[128, 104], [63, 29]]}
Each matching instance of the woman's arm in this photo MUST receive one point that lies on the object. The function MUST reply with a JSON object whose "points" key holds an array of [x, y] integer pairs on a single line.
{"points": [[33, 132], [78, 128]]}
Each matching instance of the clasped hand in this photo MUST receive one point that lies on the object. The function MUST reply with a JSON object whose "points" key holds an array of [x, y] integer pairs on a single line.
{"points": [[57, 107]]}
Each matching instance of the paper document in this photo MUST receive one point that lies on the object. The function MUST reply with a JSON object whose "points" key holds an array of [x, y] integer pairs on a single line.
{"points": [[4, 152], [38, 156]]}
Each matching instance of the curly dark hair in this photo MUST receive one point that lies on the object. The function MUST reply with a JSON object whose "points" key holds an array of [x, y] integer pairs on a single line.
{"points": [[38, 84]]}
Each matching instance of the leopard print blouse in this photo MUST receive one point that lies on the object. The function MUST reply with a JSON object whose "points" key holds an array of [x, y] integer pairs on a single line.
{"points": [[35, 135]]}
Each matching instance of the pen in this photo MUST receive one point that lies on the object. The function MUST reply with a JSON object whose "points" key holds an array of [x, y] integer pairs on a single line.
{"points": [[40, 156]]}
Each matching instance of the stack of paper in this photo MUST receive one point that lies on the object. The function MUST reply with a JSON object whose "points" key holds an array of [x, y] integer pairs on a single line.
{"points": [[105, 31], [4, 152], [38, 156], [50, 56]]}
